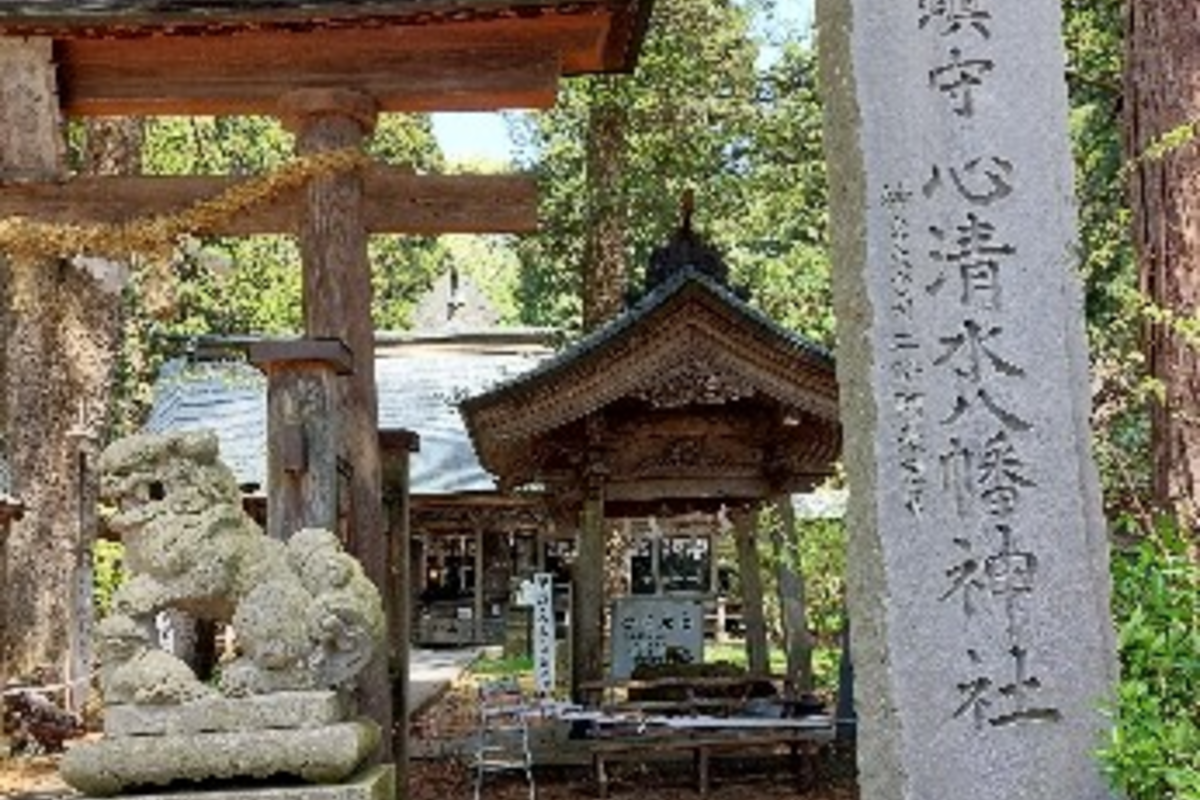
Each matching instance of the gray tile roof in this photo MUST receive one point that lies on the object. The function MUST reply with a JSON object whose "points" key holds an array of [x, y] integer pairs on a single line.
{"points": [[422, 392], [227, 397], [5, 477], [419, 390]]}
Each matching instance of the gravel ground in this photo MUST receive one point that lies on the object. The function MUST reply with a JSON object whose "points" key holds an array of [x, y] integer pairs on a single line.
{"points": [[452, 716]]}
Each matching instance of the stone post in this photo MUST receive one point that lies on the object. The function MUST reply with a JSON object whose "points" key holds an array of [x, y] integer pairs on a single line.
{"points": [[303, 431], [337, 298], [78, 677], [978, 561], [10, 510], [396, 446]]}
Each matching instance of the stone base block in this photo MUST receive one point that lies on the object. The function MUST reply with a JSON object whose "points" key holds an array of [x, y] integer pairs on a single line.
{"points": [[375, 783], [278, 711], [112, 765]]}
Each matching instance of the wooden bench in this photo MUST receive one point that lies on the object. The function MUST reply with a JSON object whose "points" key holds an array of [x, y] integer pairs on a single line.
{"points": [[704, 737]]}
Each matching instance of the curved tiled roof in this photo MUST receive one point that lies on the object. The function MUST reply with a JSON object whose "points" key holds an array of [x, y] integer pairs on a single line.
{"points": [[631, 317], [688, 337], [419, 386]]}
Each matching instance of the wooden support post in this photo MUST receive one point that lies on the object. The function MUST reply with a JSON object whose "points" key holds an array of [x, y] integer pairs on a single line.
{"points": [[396, 446], [752, 593], [477, 597], [587, 598], [337, 299], [303, 431]]}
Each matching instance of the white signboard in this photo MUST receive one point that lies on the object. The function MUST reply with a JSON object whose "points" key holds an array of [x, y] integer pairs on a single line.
{"points": [[539, 594], [653, 630]]}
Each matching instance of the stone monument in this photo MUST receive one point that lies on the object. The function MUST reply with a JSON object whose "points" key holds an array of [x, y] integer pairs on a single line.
{"points": [[978, 557], [649, 629], [307, 622]]}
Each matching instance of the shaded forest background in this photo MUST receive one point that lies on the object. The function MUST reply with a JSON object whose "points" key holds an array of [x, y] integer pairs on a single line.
{"points": [[725, 102]]}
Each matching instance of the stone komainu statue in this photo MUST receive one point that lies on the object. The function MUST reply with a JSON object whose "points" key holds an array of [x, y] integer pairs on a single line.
{"points": [[305, 615], [307, 621]]}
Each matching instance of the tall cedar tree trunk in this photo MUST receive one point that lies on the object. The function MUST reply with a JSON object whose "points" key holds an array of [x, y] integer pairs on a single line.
{"points": [[604, 269], [798, 644], [61, 350], [1162, 93]]}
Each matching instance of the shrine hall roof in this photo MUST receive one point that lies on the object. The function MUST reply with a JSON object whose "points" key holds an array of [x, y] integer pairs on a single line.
{"points": [[420, 382], [690, 344], [620, 327]]}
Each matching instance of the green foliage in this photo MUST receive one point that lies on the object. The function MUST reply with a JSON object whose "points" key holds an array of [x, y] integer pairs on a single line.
{"points": [[1115, 305], [699, 115], [108, 573], [818, 553], [778, 244], [1155, 749], [254, 284], [505, 666]]}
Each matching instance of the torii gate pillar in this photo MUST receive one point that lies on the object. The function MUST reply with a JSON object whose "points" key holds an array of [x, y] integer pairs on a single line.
{"points": [[337, 303]]}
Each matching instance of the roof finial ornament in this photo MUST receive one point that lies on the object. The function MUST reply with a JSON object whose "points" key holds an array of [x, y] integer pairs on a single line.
{"points": [[686, 250]]}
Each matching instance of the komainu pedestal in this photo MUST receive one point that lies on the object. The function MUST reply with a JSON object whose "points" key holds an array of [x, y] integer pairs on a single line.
{"points": [[307, 622]]}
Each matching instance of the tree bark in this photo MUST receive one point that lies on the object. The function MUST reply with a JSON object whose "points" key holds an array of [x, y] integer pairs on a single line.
{"points": [[604, 261], [1162, 93], [798, 643], [61, 331]]}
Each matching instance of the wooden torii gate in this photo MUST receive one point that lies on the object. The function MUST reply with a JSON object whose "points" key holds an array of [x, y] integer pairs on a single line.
{"points": [[327, 69]]}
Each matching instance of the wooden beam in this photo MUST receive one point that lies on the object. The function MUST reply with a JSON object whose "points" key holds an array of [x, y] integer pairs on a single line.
{"points": [[246, 73], [397, 201]]}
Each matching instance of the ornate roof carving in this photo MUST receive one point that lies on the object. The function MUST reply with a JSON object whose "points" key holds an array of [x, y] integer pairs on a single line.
{"points": [[694, 381]]}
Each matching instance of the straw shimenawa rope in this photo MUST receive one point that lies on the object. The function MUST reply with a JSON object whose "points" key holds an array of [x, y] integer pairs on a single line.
{"points": [[30, 244]]}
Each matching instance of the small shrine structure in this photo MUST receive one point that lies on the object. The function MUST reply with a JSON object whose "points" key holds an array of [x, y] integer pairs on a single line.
{"points": [[689, 401]]}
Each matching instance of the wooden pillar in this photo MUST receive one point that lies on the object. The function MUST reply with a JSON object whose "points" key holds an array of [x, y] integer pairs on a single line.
{"points": [[793, 609], [752, 592], [337, 303], [303, 431], [477, 529], [396, 446], [587, 598]]}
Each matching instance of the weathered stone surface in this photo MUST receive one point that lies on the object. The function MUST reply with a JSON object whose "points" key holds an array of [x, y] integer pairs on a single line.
{"points": [[320, 755], [279, 711], [978, 556], [306, 615], [376, 783]]}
